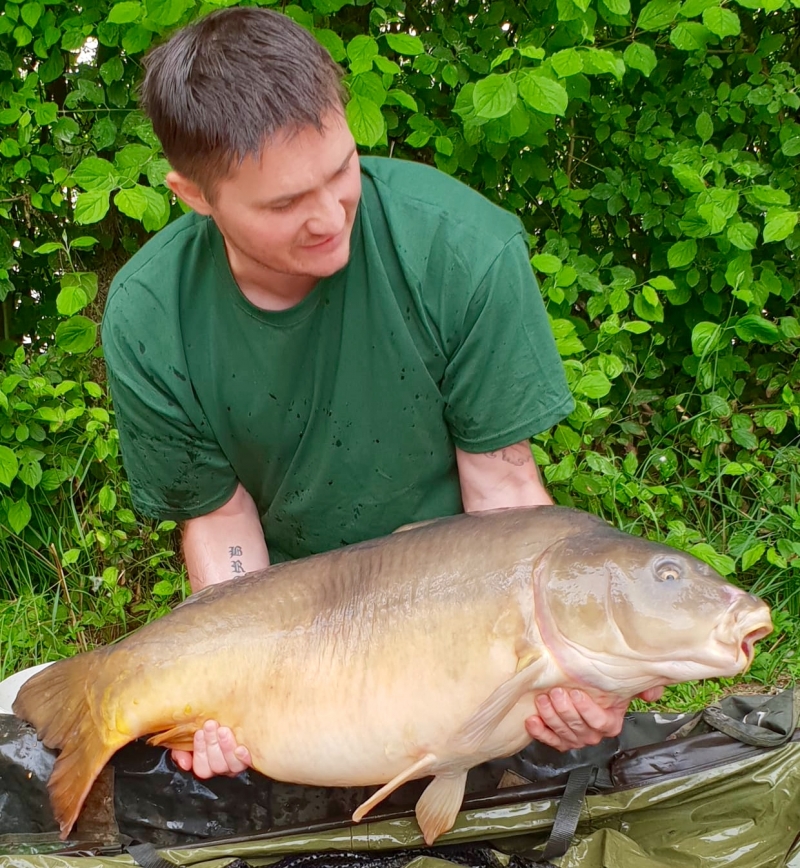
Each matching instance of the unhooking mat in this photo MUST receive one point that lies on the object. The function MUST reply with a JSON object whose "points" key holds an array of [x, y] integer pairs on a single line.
{"points": [[721, 787]]}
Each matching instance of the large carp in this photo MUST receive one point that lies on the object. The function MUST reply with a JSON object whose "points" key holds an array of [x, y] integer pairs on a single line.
{"points": [[413, 655]]}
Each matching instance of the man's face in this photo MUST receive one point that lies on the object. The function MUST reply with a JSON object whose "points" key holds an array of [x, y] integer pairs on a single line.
{"points": [[293, 211]]}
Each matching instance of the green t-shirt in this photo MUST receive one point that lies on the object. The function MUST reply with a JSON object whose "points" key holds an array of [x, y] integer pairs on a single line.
{"points": [[339, 415]]}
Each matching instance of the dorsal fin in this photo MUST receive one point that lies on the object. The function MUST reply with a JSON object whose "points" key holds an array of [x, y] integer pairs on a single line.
{"points": [[414, 524]]}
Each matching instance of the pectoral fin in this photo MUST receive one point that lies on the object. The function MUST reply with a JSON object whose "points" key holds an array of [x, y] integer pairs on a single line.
{"points": [[489, 714], [180, 737], [418, 770], [439, 805]]}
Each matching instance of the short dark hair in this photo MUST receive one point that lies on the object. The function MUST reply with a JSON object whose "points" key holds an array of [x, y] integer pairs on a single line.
{"points": [[223, 86]]}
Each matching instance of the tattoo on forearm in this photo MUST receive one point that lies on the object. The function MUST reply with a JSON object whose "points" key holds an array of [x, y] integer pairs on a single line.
{"points": [[235, 554], [512, 456]]}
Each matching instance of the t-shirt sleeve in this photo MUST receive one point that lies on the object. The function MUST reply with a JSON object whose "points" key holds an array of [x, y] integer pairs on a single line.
{"points": [[504, 381], [175, 467]]}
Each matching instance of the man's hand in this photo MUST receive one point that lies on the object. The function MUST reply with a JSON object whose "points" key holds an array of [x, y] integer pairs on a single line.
{"points": [[568, 720], [215, 753]]}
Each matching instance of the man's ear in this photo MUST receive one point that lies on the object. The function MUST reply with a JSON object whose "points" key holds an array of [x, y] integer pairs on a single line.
{"points": [[188, 191]]}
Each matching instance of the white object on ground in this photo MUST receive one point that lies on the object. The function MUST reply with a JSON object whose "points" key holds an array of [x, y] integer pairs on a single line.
{"points": [[10, 686]]}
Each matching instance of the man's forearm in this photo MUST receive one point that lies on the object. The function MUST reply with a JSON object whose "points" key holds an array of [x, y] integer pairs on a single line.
{"points": [[224, 544], [507, 477]]}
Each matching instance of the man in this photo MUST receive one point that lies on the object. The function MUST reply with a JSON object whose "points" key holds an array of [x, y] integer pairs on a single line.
{"points": [[325, 347]]}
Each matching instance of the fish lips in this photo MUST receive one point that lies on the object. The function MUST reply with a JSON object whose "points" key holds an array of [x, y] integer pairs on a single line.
{"points": [[747, 621]]}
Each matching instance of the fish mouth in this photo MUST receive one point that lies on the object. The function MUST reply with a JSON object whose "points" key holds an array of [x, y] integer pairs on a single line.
{"points": [[752, 623], [749, 642], [746, 622]]}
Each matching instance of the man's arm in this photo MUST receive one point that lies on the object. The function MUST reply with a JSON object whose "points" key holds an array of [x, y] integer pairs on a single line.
{"points": [[217, 547], [509, 477], [225, 543]]}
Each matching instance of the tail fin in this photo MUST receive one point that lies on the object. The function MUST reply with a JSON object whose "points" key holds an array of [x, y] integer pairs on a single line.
{"points": [[58, 703]]}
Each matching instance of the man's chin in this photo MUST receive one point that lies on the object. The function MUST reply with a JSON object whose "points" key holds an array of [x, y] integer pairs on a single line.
{"points": [[329, 265]]}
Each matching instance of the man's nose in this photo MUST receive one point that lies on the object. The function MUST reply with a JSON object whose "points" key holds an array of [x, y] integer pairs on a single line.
{"points": [[329, 215]]}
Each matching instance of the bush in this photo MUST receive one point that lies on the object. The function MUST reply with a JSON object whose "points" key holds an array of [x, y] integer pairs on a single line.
{"points": [[650, 149]]}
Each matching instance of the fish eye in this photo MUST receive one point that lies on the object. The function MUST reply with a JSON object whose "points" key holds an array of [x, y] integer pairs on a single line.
{"points": [[668, 571]]}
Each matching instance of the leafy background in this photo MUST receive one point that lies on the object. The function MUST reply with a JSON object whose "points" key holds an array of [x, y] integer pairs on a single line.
{"points": [[651, 150]]}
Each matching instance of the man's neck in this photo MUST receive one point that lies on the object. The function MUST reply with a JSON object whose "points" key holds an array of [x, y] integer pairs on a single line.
{"points": [[267, 289]]}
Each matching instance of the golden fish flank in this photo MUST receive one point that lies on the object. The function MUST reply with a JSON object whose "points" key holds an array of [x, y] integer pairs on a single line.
{"points": [[440, 636]]}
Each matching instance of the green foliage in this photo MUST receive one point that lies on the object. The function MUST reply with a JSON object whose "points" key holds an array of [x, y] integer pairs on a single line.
{"points": [[651, 150], [76, 565]]}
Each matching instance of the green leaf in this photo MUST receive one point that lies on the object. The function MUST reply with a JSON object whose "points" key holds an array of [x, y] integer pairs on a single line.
{"points": [[543, 94], [594, 385], [331, 41], [693, 8], [619, 7], [640, 56], [704, 126], [402, 43], [599, 61], [766, 5], [77, 335], [166, 12], [156, 213], [753, 555], [45, 113], [690, 36], [77, 290], [546, 263], [494, 96], [112, 70], [49, 247], [361, 50], [84, 242], [132, 202], [401, 98], [689, 178], [682, 253], [365, 120], [136, 39], [8, 466], [779, 225], [107, 499], [567, 62], [753, 327], [19, 514], [723, 564], [765, 196], [30, 472], [722, 22], [743, 235], [791, 147], [91, 207], [31, 13], [661, 282], [658, 14], [95, 173], [125, 13], [706, 338]]}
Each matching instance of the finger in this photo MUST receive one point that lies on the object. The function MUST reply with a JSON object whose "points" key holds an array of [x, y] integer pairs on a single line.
{"points": [[605, 721], [558, 711], [237, 757], [217, 762], [567, 728], [539, 731], [652, 695], [182, 759], [201, 767]]}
